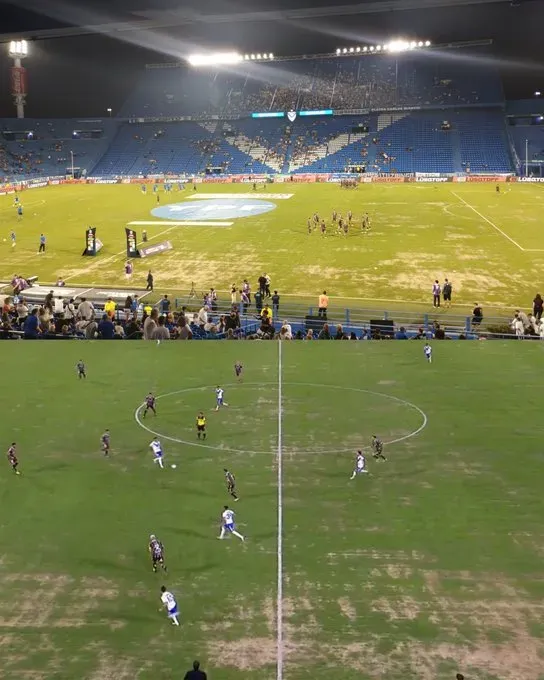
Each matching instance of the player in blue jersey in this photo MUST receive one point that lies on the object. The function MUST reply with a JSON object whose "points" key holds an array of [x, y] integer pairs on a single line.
{"points": [[360, 465], [219, 400], [156, 447]]}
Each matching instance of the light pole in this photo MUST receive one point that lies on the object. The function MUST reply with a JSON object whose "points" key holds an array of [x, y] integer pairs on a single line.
{"points": [[109, 110], [526, 158], [18, 50], [72, 157]]}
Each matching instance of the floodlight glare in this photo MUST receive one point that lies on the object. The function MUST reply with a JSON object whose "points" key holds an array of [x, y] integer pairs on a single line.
{"points": [[271, 55], [252, 56], [352, 49], [344, 51], [18, 49], [538, 93], [214, 59], [427, 43], [420, 43], [365, 49], [378, 48], [357, 49], [372, 48], [338, 50]]}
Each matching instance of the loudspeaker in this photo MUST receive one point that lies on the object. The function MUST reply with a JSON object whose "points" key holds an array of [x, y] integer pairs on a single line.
{"points": [[315, 323], [385, 326]]}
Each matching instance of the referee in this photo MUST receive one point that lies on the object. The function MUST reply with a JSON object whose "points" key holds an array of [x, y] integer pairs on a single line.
{"points": [[196, 673]]}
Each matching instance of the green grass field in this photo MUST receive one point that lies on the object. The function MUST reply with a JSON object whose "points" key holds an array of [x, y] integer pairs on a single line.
{"points": [[490, 245], [431, 565]]}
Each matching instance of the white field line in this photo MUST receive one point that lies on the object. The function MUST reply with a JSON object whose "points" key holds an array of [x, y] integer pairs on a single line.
{"points": [[255, 194], [279, 600], [486, 219], [182, 223], [99, 263]]}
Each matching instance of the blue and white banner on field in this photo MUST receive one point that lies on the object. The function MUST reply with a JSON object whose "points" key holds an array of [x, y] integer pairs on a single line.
{"points": [[90, 242], [155, 249], [132, 245]]}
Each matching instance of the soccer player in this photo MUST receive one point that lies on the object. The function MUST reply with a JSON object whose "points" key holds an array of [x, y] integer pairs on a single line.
{"points": [[323, 228], [428, 352], [346, 228], [12, 457], [310, 226], [365, 223], [81, 370], [169, 601], [227, 524], [41, 248], [231, 483], [350, 216], [156, 550], [143, 188], [201, 425], [19, 212], [149, 404], [360, 465], [238, 368], [219, 392], [377, 448], [13, 238], [156, 447], [334, 215], [105, 442]]}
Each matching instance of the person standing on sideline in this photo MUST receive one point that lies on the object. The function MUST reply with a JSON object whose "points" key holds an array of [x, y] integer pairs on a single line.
{"points": [[41, 249], [323, 304], [258, 297], [538, 304], [275, 305], [195, 673], [144, 236], [477, 315], [436, 294], [446, 293], [149, 281], [129, 268], [164, 305], [262, 284], [267, 281]]}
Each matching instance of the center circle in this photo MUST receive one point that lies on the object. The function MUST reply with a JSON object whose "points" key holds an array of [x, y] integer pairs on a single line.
{"points": [[213, 209], [253, 414]]}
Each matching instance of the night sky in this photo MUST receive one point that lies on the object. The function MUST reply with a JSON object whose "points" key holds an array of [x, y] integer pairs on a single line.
{"points": [[83, 76]]}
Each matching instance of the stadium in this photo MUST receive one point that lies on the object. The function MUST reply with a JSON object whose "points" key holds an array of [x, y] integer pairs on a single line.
{"points": [[273, 176]]}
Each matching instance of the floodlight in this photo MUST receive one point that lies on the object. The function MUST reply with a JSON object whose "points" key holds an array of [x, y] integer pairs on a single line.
{"points": [[344, 51], [378, 48], [271, 56], [420, 43], [252, 56], [538, 93], [357, 49], [338, 50], [385, 47], [365, 49], [427, 43], [246, 56], [214, 59], [371, 48], [18, 49], [352, 49]]}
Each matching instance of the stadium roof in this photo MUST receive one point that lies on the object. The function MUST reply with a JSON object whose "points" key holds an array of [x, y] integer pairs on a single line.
{"points": [[86, 21]]}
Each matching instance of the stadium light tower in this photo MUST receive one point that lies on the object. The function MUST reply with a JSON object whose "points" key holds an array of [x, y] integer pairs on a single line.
{"points": [[18, 50]]}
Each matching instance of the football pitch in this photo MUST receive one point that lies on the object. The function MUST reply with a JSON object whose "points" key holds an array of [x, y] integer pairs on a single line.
{"points": [[488, 244], [430, 565]]}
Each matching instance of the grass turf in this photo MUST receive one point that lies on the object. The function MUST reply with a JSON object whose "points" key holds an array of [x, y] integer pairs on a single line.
{"points": [[488, 244], [430, 565]]}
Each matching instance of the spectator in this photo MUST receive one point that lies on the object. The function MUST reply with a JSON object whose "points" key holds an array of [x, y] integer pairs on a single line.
{"points": [[339, 332], [309, 334], [31, 325], [401, 334], [262, 285], [202, 318], [233, 294], [352, 336], [22, 311], [70, 310], [266, 312], [105, 328], [195, 673], [118, 331], [323, 304], [244, 299], [477, 315], [164, 305], [161, 332], [110, 307], [133, 330], [258, 297], [184, 330], [287, 330], [436, 294], [58, 307], [150, 324], [324, 334], [275, 305], [230, 335], [446, 293], [85, 310], [537, 306]]}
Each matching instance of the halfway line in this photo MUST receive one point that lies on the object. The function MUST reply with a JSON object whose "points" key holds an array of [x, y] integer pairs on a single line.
{"points": [[491, 224], [279, 601]]}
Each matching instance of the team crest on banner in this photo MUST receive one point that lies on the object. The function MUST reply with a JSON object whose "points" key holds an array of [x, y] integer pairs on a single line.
{"points": [[291, 115]]}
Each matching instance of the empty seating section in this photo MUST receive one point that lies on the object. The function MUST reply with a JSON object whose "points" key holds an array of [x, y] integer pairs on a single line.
{"points": [[42, 147], [483, 147], [534, 135]]}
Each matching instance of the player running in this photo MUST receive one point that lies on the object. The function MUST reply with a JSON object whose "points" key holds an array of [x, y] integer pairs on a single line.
{"points": [[13, 238], [238, 370], [12, 458], [377, 448], [81, 370], [156, 550], [360, 465], [428, 352], [219, 398], [149, 404], [169, 601], [227, 524], [156, 447], [201, 425], [231, 484], [105, 443]]}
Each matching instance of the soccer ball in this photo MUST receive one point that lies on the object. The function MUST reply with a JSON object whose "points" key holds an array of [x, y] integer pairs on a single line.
{"points": [[173, 466]]}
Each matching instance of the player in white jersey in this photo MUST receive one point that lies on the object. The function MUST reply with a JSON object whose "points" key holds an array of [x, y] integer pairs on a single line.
{"points": [[428, 352], [156, 447], [360, 465], [219, 400], [171, 606], [227, 524]]}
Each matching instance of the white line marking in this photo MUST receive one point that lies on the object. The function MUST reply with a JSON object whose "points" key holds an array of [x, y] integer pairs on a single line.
{"points": [[279, 600], [255, 194], [314, 451], [492, 224], [181, 223]]}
